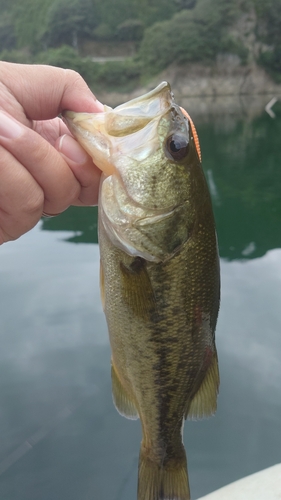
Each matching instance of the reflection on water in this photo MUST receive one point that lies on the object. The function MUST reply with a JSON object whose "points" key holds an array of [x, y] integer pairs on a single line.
{"points": [[82, 222], [242, 162], [61, 437], [243, 166]]}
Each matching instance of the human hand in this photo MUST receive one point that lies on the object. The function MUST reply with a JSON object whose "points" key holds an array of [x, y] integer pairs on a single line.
{"points": [[42, 167]]}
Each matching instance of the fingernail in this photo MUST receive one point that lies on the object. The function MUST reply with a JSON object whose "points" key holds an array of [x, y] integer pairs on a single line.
{"points": [[99, 105], [72, 150], [9, 128]]}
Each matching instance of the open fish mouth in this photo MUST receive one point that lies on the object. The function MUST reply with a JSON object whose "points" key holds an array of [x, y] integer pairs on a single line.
{"points": [[141, 147], [122, 130]]}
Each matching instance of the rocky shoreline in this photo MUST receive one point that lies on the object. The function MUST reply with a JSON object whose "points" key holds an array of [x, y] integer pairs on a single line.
{"points": [[226, 88]]}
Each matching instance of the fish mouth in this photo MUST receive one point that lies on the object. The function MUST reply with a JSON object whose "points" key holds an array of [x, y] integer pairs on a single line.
{"points": [[124, 128]]}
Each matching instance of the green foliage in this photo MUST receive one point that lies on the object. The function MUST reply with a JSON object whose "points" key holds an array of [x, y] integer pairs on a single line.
{"points": [[191, 35], [5, 5], [109, 75], [131, 29], [271, 59], [16, 56], [269, 32], [116, 75], [126, 19], [231, 45], [115, 12], [68, 21], [103, 32], [164, 44], [7, 31], [28, 17], [66, 57], [185, 4], [269, 13], [166, 31], [152, 11], [262, 7]]}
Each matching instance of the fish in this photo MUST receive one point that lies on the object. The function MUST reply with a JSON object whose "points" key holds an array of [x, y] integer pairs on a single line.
{"points": [[159, 276]]}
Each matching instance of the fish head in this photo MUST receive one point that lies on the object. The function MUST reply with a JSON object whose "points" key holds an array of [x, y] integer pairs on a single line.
{"points": [[147, 149]]}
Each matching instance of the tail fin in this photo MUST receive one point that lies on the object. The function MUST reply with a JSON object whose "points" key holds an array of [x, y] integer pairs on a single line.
{"points": [[166, 482]]}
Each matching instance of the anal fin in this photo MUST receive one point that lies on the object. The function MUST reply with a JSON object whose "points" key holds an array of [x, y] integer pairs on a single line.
{"points": [[123, 402], [204, 403]]}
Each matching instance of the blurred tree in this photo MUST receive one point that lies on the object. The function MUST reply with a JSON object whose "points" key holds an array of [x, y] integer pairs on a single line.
{"points": [[7, 31], [16, 56], [269, 13], [103, 32], [116, 12], [65, 57], [185, 4], [69, 21], [131, 29], [269, 32], [191, 35], [28, 18], [271, 59], [152, 11], [4, 5], [197, 33]]}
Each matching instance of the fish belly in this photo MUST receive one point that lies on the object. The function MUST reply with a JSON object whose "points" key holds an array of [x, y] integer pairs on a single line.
{"points": [[164, 364]]}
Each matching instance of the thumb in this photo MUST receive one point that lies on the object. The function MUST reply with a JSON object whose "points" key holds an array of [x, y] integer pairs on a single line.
{"points": [[83, 168]]}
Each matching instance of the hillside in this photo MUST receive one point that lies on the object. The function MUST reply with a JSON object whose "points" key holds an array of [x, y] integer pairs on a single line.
{"points": [[203, 47], [205, 92]]}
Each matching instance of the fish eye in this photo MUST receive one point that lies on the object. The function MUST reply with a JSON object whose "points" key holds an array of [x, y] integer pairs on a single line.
{"points": [[177, 146]]}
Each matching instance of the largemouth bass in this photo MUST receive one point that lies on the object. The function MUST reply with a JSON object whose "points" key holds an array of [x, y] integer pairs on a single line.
{"points": [[160, 282]]}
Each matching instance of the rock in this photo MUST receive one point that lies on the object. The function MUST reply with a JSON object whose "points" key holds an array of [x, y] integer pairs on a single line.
{"points": [[224, 78]]}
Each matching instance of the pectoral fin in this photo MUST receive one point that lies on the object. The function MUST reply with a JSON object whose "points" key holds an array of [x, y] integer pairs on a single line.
{"points": [[137, 291], [204, 403], [123, 402], [163, 235]]}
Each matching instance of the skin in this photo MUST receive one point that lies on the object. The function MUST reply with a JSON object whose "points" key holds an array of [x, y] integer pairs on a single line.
{"points": [[42, 167], [160, 282], [161, 319]]}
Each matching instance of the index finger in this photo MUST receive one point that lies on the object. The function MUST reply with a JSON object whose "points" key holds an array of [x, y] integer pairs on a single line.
{"points": [[44, 91]]}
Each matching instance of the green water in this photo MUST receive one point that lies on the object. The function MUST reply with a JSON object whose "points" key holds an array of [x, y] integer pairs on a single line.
{"points": [[61, 438]]}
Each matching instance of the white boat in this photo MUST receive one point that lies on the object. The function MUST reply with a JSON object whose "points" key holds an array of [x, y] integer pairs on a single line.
{"points": [[263, 485]]}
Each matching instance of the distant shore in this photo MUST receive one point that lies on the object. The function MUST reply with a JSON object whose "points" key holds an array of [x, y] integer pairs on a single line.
{"points": [[224, 88]]}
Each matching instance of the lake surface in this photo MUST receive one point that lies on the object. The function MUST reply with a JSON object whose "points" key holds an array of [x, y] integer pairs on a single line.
{"points": [[61, 437]]}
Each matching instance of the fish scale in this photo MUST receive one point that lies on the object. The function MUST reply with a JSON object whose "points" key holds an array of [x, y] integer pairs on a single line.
{"points": [[160, 281]]}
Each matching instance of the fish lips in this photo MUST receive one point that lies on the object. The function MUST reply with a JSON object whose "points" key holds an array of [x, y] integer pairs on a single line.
{"points": [[128, 127]]}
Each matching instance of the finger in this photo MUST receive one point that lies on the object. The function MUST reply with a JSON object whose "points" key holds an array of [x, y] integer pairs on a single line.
{"points": [[43, 162], [21, 198], [50, 129], [82, 166], [44, 91]]}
